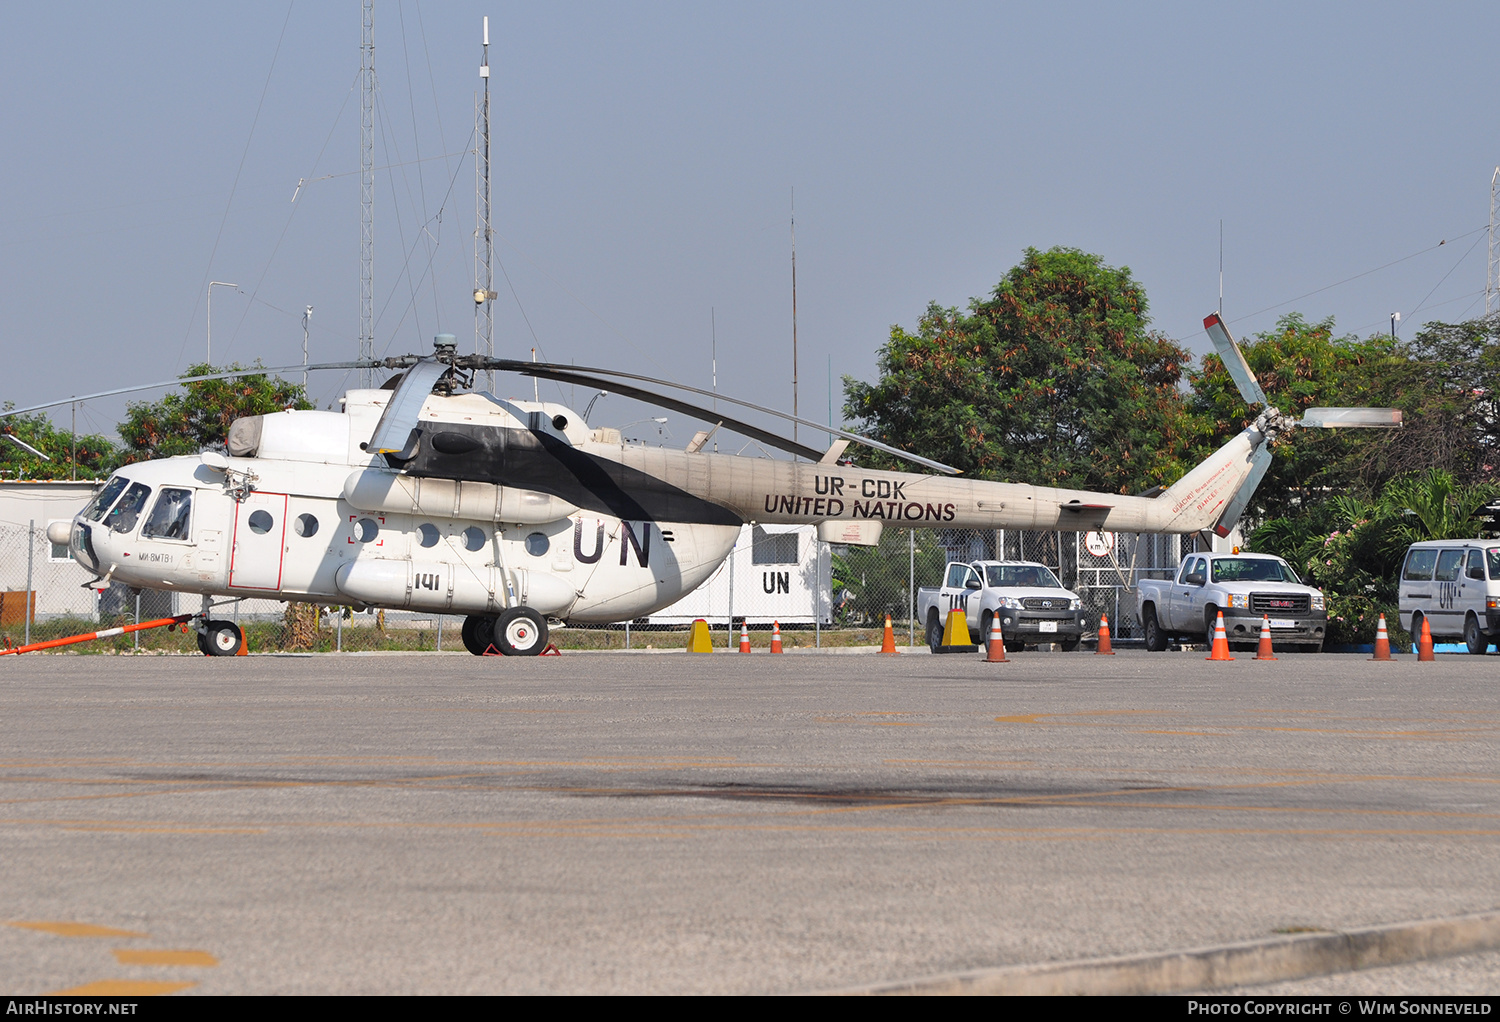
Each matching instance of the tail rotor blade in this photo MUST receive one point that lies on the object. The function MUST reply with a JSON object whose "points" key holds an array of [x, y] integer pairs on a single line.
{"points": [[1234, 360], [1364, 418]]}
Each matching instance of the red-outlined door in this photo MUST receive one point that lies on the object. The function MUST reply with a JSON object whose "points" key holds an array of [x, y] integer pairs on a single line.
{"points": [[259, 542]]}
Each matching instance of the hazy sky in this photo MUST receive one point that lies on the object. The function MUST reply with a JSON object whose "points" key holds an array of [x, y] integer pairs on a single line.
{"points": [[645, 160]]}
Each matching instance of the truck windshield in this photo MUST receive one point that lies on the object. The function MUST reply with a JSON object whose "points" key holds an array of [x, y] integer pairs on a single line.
{"points": [[1252, 569], [106, 497], [1033, 575]]}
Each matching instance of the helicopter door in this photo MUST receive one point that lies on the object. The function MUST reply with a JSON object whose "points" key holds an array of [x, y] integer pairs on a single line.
{"points": [[259, 541]]}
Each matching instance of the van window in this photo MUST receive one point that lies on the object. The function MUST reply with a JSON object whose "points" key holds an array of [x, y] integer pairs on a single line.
{"points": [[1493, 555], [1449, 561], [1419, 565], [1475, 569]]}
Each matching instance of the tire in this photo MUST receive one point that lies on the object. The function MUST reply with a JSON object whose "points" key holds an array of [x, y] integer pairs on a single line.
{"points": [[1156, 639], [521, 631], [478, 633], [202, 643], [1476, 640], [223, 639], [934, 632], [1210, 620], [1068, 645], [1416, 628], [986, 622], [1014, 646]]}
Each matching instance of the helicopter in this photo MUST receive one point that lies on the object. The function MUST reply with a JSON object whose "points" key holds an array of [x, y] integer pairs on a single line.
{"points": [[427, 494]]}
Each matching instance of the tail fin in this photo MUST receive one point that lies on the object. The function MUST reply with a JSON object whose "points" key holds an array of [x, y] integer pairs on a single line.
{"points": [[1216, 491]]}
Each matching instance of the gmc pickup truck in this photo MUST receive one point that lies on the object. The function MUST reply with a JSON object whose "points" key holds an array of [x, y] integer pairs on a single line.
{"points": [[1032, 604], [1246, 588]]}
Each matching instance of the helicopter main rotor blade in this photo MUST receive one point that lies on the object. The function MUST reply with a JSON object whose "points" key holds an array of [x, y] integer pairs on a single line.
{"points": [[257, 371], [1364, 418], [687, 408], [393, 431], [1260, 461], [602, 378], [1234, 360]]}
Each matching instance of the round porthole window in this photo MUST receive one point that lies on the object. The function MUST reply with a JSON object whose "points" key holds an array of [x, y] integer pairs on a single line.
{"points": [[474, 538], [366, 529], [305, 525], [537, 544], [427, 534], [261, 522]]}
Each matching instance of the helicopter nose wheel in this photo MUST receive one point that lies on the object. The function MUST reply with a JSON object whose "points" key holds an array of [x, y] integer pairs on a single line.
{"points": [[521, 631], [478, 633], [222, 638]]}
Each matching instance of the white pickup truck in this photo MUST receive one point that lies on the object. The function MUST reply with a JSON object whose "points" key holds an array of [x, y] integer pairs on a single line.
{"points": [[1246, 588], [1032, 604]]}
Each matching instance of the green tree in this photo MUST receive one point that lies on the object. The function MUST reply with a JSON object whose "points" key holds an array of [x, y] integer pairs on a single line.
{"points": [[199, 416], [870, 582], [94, 454], [1053, 380]]}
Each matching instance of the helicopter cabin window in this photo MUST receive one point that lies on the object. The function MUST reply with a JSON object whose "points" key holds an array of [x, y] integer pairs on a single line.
{"points": [[305, 526], [171, 515], [261, 522], [124, 516], [101, 503], [537, 544], [474, 539], [772, 547], [366, 529], [428, 535]]}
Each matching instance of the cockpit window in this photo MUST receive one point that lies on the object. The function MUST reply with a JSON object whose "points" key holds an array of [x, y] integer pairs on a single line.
{"points": [[127, 512], [1032, 575], [106, 497], [170, 517]]}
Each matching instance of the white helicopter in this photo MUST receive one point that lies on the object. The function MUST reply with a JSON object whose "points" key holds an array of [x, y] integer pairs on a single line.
{"points": [[431, 496]]}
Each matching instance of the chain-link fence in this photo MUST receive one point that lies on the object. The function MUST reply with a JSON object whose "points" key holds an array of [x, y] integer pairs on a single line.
{"points": [[817, 593]]}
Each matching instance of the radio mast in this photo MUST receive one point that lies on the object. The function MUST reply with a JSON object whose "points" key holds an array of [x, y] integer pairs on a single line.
{"points": [[367, 194], [484, 276], [1492, 279]]}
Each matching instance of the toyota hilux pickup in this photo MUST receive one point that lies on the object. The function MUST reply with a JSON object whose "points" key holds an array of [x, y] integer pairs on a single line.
{"points": [[1246, 588], [1032, 605]]}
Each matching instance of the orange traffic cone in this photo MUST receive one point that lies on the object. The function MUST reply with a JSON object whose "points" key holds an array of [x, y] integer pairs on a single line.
{"points": [[775, 636], [1104, 646], [744, 637], [1424, 648], [1221, 642], [888, 644], [1264, 652], [995, 653], [1382, 642]]}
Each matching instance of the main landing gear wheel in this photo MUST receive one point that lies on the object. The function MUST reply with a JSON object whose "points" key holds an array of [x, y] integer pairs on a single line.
{"points": [[521, 631], [223, 638], [478, 633]]}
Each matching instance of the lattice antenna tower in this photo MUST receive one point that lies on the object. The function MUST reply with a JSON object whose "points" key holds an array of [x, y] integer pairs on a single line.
{"points": [[484, 276], [1492, 280], [367, 194]]}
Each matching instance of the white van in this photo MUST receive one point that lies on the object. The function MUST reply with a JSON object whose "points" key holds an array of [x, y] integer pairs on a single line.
{"points": [[1455, 585]]}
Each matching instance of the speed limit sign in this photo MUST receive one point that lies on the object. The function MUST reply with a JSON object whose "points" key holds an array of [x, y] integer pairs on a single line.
{"points": [[1099, 543]]}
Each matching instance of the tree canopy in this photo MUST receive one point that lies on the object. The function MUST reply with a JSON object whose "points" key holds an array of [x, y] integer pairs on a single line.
{"points": [[200, 415], [94, 454], [1053, 380]]}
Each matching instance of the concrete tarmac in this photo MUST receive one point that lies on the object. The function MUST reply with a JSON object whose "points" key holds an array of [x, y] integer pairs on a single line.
{"points": [[631, 823]]}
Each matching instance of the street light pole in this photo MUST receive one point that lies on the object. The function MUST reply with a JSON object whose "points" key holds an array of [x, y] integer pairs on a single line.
{"points": [[211, 285], [1395, 318], [306, 317]]}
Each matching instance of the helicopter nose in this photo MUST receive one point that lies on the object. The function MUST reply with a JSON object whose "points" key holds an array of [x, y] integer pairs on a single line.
{"points": [[58, 532]]}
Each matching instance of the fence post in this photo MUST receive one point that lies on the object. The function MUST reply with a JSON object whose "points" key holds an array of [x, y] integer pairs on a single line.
{"points": [[440, 634], [911, 587], [137, 635], [30, 554], [338, 633], [818, 592]]}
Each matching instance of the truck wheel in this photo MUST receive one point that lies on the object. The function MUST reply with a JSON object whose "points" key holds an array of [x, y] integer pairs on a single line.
{"points": [[1210, 622], [1156, 639], [986, 622], [934, 632], [1068, 645], [1476, 640]]}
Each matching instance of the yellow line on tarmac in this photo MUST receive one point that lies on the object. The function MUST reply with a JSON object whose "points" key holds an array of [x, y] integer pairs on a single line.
{"points": [[66, 929], [122, 988], [139, 956]]}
